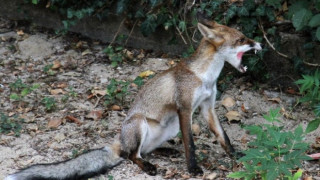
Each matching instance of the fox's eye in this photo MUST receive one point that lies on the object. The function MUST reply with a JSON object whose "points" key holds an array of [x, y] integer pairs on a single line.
{"points": [[241, 40]]}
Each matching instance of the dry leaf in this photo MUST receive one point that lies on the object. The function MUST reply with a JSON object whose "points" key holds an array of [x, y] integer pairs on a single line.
{"points": [[56, 64], [228, 102], [146, 73], [115, 108], [211, 176], [57, 91], [86, 52], [244, 108], [276, 99], [20, 32], [196, 129], [185, 176], [233, 116], [129, 54], [99, 92], [95, 115], [54, 123], [73, 119]]}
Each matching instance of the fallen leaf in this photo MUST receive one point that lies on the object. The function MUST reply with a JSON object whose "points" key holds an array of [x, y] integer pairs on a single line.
{"points": [[73, 119], [146, 73], [228, 102], [291, 91], [56, 64], [57, 91], [185, 176], [86, 52], [99, 92], [244, 108], [196, 129], [95, 115], [54, 123], [129, 54], [233, 116], [276, 99], [20, 32], [211, 176], [115, 108]]}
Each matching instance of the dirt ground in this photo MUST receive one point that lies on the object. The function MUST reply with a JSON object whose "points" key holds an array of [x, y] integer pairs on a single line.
{"points": [[80, 74]]}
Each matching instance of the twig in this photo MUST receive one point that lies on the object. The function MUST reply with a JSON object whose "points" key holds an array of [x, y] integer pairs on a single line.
{"points": [[311, 64], [134, 25], [115, 36], [269, 43], [180, 33]]}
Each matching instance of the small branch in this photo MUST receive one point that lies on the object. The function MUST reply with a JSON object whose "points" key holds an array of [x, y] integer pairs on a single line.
{"points": [[180, 33], [269, 43], [134, 25], [311, 64], [115, 36]]}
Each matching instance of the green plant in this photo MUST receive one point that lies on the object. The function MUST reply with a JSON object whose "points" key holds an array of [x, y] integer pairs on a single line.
{"points": [[116, 91], [47, 69], [21, 89], [274, 153], [10, 124], [49, 103], [309, 87], [115, 54]]}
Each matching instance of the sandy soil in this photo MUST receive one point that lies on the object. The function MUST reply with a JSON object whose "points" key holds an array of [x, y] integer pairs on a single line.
{"points": [[25, 51]]}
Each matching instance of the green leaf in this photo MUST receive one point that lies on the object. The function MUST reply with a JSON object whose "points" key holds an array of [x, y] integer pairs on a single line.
{"points": [[149, 25], [297, 175], [313, 125], [298, 5], [315, 21], [238, 175], [301, 18], [318, 33], [35, 1], [14, 96], [261, 10], [25, 91], [243, 11], [182, 26], [274, 3]]}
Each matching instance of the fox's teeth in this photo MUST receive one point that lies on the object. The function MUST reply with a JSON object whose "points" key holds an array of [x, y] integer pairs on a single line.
{"points": [[245, 68], [255, 51]]}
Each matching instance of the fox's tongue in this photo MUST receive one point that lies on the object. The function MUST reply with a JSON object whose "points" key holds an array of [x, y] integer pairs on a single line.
{"points": [[239, 55]]}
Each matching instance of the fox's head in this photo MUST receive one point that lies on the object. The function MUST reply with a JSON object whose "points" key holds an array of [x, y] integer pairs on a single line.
{"points": [[229, 42]]}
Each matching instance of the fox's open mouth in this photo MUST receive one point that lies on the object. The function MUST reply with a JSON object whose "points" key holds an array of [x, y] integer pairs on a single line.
{"points": [[242, 68]]}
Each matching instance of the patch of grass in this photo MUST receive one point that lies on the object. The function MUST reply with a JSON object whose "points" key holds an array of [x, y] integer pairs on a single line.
{"points": [[49, 103], [116, 91], [10, 124], [20, 90]]}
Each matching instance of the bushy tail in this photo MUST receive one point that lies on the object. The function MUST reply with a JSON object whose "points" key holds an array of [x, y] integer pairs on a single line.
{"points": [[84, 166]]}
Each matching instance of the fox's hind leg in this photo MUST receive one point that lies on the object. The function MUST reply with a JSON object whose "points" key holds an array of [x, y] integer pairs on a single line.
{"points": [[133, 135]]}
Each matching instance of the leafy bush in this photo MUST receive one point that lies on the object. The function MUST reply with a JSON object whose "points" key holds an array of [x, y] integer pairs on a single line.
{"points": [[49, 103], [10, 124], [274, 153], [310, 88]]}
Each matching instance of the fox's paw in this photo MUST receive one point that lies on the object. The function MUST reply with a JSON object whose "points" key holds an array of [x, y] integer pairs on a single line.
{"points": [[196, 170], [149, 168]]}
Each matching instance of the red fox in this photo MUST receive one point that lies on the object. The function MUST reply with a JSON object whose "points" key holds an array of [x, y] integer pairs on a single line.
{"points": [[163, 107]]}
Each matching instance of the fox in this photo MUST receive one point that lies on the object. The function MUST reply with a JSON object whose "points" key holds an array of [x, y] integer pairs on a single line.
{"points": [[162, 108]]}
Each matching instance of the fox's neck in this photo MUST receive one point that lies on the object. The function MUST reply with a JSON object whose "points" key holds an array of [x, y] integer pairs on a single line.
{"points": [[207, 61]]}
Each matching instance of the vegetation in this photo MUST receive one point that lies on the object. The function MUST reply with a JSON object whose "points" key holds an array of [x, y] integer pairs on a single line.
{"points": [[274, 153], [310, 88], [10, 124], [20, 89]]}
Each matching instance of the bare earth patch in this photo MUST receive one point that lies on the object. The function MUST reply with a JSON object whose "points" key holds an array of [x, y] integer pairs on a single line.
{"points": [[77, 69]]}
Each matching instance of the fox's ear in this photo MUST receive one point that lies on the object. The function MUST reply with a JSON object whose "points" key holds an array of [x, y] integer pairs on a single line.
{"points": [[208, 33]]}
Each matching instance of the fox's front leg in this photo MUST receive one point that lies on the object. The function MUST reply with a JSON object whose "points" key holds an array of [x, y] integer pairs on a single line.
{"points": [[209, 113], [185, 126]]}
